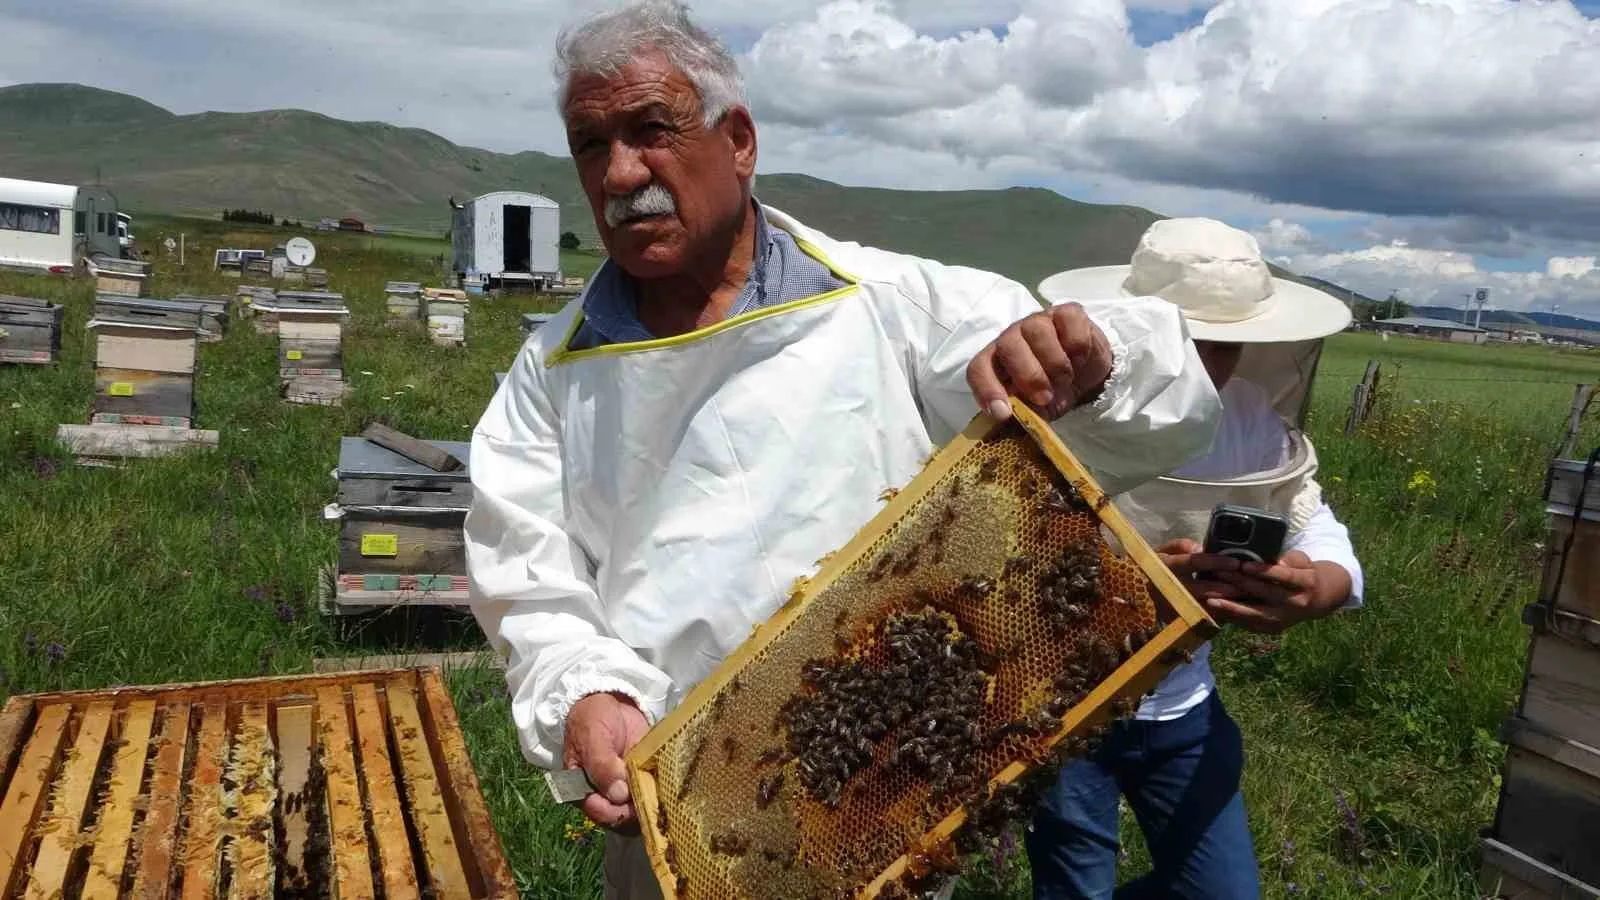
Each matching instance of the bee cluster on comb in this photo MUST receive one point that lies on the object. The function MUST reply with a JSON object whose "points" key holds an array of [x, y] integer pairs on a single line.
{"points": [[917, 694]]}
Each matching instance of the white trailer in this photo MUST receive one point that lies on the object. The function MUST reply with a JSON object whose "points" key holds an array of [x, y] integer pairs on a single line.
{"points": [[50, 227], [508, 238]]}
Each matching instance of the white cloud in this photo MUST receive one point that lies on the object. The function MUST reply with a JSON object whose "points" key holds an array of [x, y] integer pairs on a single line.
{"points": [[1278, 236], [1424, 276], [1479, 107], [1570, 266]]}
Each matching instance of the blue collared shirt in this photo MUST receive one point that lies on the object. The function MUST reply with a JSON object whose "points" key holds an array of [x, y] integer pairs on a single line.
{"points": [[782, 272]]}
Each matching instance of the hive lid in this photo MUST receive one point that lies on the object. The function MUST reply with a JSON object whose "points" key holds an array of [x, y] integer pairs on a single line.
{"points": [[912, 693], [361, 458]]}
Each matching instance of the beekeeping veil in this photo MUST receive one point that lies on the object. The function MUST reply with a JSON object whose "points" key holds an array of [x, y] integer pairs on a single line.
{"points": [[1217, 276]]}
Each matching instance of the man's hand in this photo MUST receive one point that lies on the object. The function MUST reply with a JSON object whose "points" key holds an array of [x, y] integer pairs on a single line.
{"points": [[1267, 599], [600, 728], [1054, 359]]}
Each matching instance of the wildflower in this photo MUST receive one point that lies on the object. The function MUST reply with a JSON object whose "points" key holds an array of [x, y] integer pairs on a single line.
{"points": [[1351, 834], [55, 651], [45, 468], [1422, 483], [30, 643], [1292, 889], [255, 593], [580, 834], [285, 612]]}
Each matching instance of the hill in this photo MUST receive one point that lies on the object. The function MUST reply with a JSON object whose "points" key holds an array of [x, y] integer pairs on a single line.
{"points": [[305, 165]]}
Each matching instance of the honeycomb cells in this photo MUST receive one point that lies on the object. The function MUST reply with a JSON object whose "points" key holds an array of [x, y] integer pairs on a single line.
{"points": [[997, 547]]}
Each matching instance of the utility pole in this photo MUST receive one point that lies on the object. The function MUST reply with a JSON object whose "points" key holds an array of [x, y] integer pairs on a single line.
{"points": [[1483, 300]]}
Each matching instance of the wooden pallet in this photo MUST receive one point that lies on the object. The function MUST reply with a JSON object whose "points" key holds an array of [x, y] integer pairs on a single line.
{"points": [[107, 441], [973, 543], [355, 784]]}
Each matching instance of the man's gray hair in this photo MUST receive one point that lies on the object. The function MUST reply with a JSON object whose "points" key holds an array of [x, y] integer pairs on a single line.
{"points": [[607, 42]]}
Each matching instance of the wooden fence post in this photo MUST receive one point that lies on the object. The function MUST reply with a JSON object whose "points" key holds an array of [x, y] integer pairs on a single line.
{"points": [[1361, 403], [1582, 398]]}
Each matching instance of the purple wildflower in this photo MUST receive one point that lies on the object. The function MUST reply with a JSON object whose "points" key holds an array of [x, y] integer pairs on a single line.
{"points": [[285, 612], [1292, 889], [1351, 834], [55, 651], [45, 468], [30, 643]]}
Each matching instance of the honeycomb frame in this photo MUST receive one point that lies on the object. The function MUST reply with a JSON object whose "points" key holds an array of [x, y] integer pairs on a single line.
{"points": [[679, 822]]}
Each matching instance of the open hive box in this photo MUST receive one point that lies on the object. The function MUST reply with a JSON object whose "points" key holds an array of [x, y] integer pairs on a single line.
{"points": [[913, 696], [354, 785]]}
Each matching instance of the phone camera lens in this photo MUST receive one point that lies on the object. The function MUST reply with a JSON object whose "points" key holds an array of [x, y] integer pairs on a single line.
{"points": [[1234, 529]]}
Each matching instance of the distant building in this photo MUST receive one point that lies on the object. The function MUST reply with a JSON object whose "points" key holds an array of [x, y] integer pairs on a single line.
{"points": [[349, 223], [1436, 329]]}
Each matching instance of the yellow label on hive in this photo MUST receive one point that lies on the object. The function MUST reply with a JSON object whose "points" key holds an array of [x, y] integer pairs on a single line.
{"points": [[121, 389], [294, 354], [380, 545]]}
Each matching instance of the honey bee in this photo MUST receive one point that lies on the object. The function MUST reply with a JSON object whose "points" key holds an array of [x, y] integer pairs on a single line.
{"points": [[989, 471], [889, 493], [768, 789], [730, 748]]}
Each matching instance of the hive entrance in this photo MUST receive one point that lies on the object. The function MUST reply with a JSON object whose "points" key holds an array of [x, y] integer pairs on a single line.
{"points": [[908, 689]]}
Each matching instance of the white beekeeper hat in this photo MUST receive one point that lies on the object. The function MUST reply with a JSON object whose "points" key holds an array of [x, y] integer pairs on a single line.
{"points": [[1215, 273]]}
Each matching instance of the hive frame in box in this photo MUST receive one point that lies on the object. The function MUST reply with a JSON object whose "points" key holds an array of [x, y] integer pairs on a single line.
{"points": [[396, 727], [1189, 627]]}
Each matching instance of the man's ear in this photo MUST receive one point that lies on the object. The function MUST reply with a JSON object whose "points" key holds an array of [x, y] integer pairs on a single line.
{"points": [[741, 133]]}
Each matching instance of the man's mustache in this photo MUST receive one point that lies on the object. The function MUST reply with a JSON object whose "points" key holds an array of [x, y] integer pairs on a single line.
{"points": [[650, 200]]}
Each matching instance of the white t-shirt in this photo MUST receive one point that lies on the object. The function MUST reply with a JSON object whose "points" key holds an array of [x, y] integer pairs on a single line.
{"points": [[1251, 438]]}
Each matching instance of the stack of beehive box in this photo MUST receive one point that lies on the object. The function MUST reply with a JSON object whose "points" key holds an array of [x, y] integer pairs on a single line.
{"points": [[404, 302], [1543, 841], [446, 310], [123, 277], [313, 278], [30, 330], [310, 328], [145, 361], [400, 527]]}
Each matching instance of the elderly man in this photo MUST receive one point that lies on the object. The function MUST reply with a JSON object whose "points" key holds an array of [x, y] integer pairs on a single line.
{"points": [[725, 403]]}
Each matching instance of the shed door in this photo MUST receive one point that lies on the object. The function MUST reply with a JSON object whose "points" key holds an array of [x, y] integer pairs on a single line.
{"points": [[518, 243]]}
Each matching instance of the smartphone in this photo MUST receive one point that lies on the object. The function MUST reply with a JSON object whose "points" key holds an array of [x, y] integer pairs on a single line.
{"points": [[1246, 533]]}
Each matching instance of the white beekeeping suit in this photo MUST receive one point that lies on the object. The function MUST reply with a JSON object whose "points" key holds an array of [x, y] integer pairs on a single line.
{"points": [[639, 508]]}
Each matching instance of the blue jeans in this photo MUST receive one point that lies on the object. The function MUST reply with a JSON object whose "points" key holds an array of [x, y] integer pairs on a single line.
{"points": [[1181, 778]]}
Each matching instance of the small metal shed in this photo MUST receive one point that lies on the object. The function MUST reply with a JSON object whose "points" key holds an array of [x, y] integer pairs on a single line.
{"points": [[508, 237]]}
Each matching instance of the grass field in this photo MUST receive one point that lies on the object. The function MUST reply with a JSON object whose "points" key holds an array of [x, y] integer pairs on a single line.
{"points": [[1372, 756]]}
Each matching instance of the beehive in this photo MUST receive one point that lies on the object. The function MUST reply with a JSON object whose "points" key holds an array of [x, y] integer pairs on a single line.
{"points": [[352, 785], [124, 277], [30, 330], [909, 696], [1542, 842], [403, 301], [145, 358], [400, 538]]}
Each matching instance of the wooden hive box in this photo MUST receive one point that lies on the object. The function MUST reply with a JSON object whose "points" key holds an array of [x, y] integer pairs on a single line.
{"points": [[145, 354], [30, 330], [124, 277], [446, 306], [404, 301], [1542, 842], [215, 311], [310, 335], [400, 536], [448, 331], [350, 785], [912, 696]]}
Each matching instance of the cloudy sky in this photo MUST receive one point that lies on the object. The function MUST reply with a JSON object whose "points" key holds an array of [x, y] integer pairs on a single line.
{"points": [[1425, 146]]}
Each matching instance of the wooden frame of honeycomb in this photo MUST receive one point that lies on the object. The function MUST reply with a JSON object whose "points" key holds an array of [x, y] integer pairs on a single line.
{"points": [[885, 721], [349, 785]]}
